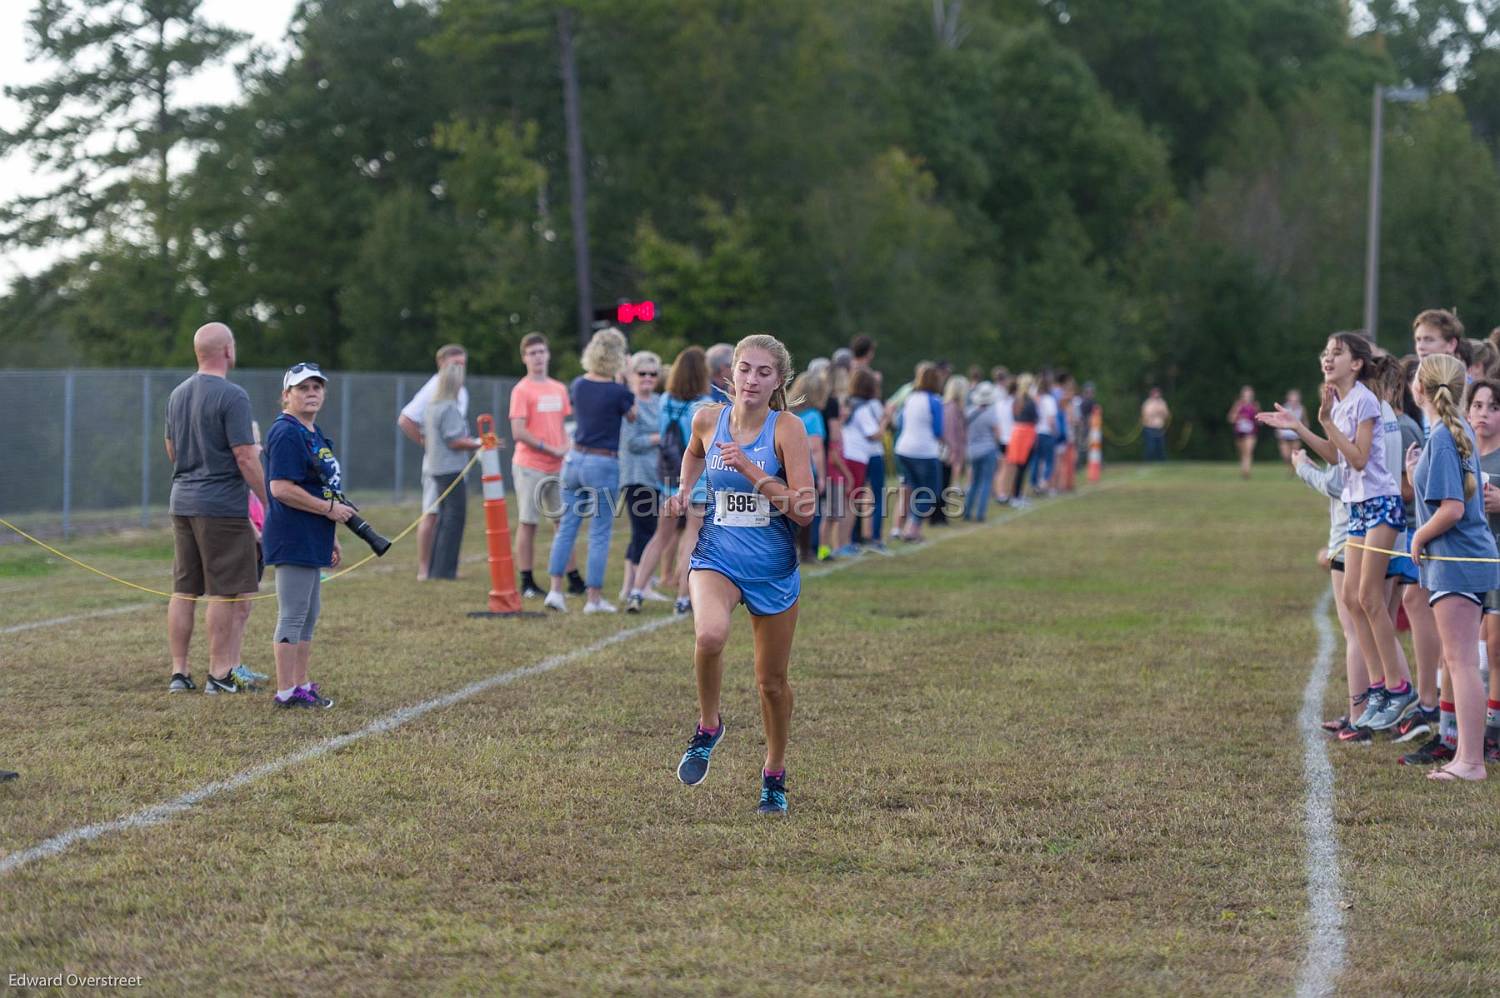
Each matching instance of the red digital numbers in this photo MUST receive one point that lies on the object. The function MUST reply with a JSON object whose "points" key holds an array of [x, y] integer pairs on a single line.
{"points": [[640, 311]]}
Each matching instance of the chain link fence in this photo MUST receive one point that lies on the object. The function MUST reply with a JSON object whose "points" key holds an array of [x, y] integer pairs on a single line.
{"points": [[82, 449]]}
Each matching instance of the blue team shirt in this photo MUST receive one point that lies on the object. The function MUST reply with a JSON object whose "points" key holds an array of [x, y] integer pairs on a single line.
{"points": [[747, 554], [1440, 476], [305, 457]]}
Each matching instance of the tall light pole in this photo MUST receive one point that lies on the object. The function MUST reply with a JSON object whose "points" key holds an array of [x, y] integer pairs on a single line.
{"points": [[577, 175], [1401, 95]]}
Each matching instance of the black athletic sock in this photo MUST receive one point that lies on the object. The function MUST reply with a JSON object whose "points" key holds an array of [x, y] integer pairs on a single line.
{"points": [[527, 582]]}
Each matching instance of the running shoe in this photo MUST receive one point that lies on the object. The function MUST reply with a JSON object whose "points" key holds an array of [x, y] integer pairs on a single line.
{"points": [[181, 683], [1373, 706], [634, 601], [229, 684], [879, 548], [246, 677], [1350, 735], [599, 606], [6, 776], [1491, 746], [772, 795], [650, 595], [847, 551], [825, 553], [1414, 725], [555, 601], [531, 592], [1432, 752], [1394, 706], [317, 698], [298, 699], [251, 674], [683, 606], [1336, 725], [694, 764]]}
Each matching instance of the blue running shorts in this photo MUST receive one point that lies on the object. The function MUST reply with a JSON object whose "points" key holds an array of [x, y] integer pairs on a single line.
{"points": [[762, 597]]}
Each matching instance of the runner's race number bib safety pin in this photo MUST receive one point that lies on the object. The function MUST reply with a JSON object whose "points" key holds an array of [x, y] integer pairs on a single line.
{"points": [[741, 509]]}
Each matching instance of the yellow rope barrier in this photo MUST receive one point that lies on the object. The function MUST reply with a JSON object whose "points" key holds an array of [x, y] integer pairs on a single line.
{"points": [[1425, 556], [1119, 441], [233, 599]]}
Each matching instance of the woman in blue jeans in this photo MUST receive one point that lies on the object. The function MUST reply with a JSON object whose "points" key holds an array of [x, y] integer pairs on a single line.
{"points": [[591, 471], [1049, 418], [917, 448], [983, 430]]}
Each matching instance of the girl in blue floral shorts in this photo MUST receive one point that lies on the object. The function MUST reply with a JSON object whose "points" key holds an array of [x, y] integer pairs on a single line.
{"points": [[1350, 414]]}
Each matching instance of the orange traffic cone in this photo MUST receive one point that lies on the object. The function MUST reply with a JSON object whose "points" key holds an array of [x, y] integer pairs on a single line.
{"points": [[1096, 444], [504, 600]]}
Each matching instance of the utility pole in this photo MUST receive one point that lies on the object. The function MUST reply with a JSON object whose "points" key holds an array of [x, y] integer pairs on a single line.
{"points": [[576, 175], [1401, 95], [1372, 219]]}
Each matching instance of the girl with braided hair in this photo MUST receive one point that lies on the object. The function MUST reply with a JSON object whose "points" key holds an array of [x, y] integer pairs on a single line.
{"points": [[1452, 525], [1349, 413]]}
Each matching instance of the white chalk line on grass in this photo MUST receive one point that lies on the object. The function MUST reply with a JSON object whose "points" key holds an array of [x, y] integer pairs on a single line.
{"points": [[166, 810], [75, 618], [157, 813], [132, 607], [1325, 931]]}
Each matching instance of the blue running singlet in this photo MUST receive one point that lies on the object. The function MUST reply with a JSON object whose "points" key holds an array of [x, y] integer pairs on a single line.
{"points": [[744, 537]]}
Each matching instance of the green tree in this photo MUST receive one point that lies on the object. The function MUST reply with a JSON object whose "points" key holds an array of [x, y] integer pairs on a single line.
{"points": [[898, 265], [292, 185], [512, 269], [102, 127], [1189, 68], [1432, 41], [713, 288]]}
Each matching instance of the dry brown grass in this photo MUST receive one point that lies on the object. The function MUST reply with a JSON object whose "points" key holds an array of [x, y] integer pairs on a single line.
{"points": [[1058, 756]]}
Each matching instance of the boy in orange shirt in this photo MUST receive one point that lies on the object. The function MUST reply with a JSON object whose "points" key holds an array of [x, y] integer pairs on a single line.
{"points": [[538, 406]]}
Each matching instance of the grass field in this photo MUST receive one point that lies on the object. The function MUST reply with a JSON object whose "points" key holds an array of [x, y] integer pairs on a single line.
{"points": [[1057, 754]]}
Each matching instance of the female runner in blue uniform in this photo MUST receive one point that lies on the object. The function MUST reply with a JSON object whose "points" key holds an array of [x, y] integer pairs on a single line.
{"points": [[760, 490]]}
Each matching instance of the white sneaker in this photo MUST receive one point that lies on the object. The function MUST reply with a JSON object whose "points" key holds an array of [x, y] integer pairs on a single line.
{"points": [[556, 601], [599, 606], [655, 597]]}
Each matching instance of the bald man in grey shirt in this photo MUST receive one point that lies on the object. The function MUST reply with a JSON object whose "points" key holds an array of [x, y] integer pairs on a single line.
{"points": [[215, 464]]}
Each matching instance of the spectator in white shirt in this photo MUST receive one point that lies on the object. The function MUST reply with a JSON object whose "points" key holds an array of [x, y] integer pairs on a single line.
{"points": [[411, 422]]}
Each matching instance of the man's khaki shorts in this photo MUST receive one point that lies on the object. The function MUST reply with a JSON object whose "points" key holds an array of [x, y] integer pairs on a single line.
{"points": [[213, 555], [538, 494]]}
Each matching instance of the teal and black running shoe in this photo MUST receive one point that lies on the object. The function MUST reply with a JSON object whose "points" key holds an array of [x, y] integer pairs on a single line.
{"points": [[694, 765], [772, 794]]}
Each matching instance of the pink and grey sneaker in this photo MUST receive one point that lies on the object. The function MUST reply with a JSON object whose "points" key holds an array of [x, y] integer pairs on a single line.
{"points": [[318, 699], [297, 699]]}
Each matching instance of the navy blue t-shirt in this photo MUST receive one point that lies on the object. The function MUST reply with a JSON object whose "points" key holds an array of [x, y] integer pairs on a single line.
{"points": [[303, 456], [599, 406]]}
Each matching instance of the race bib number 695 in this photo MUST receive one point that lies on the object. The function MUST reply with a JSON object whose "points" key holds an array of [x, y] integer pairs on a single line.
{"points": [[741, 509]]}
